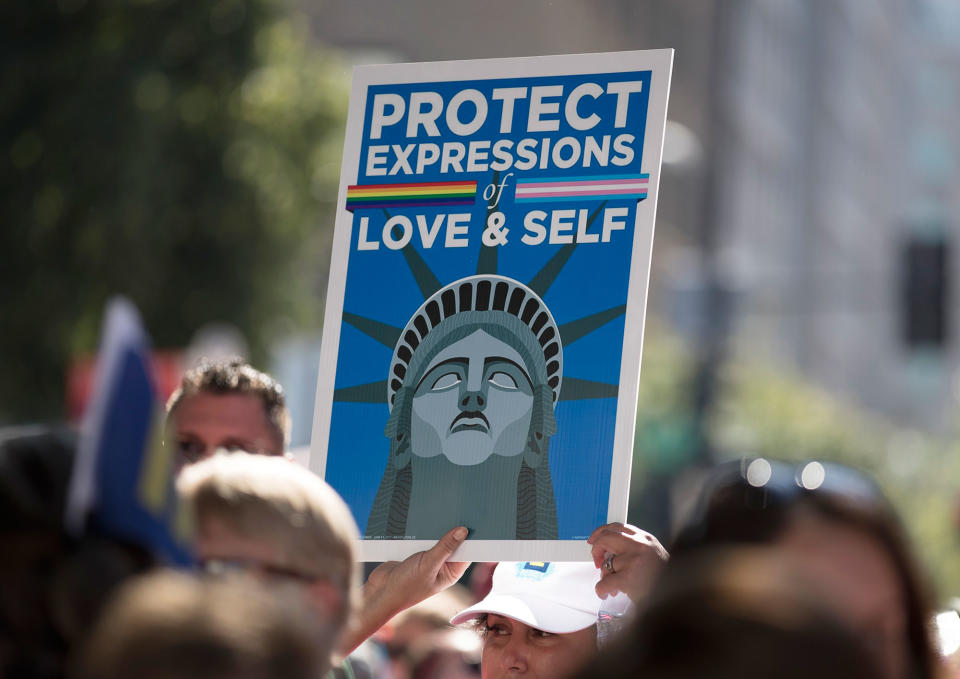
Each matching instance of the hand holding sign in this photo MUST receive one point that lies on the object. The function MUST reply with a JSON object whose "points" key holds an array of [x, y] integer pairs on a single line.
{"points": [[628, 558], [394, 586]]}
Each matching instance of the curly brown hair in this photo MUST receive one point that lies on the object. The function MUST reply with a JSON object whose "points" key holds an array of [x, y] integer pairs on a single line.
{"points": [[236, 376]]}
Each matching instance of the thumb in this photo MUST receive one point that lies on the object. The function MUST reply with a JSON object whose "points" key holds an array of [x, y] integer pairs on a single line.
{"points": [[437, 555]]}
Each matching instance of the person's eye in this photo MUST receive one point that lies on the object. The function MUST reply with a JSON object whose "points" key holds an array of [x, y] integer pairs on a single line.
{"points": [[191, 450], [446, 381], [540, 634], [503, 380], [234, 446], [496, 630]]}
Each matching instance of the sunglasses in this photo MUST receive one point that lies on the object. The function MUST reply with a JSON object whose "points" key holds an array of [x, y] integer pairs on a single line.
{"points": [[747, 500], [786, 481]]}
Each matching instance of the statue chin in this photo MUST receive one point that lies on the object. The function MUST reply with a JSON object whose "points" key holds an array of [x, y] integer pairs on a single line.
{"points": [[468, 448], [469, 444]]}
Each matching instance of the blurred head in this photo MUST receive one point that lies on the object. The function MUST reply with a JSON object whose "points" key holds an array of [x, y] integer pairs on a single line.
{"points": [[406, 634], [52, 585], [274, 518], [835, 525], [735, 614], [227, 404], [446, 654], [539, 619], [174, 626]]}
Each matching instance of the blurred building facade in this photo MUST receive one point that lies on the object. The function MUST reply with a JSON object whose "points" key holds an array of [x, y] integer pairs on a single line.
{"points": [[810, 143], [822, 198]]}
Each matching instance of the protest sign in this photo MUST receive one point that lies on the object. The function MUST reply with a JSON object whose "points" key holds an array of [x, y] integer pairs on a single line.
{"points": [[484, 319]]}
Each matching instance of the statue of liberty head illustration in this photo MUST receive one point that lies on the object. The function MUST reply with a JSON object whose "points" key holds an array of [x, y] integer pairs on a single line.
{"points": [[472, 387]]}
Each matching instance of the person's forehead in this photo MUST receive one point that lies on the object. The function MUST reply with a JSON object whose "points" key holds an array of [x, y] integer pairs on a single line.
{"points": [[218, 539], [498, 618], [849, 563], [240, 413], [477, 346]]}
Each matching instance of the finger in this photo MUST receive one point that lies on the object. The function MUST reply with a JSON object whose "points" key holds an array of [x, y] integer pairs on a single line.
{"points": [[624, 529], [651, 540], [620, 544], [619, 530], [612, 584], [634, 577], [615, 526], [437, 555], [453, 571], [598, 554]]}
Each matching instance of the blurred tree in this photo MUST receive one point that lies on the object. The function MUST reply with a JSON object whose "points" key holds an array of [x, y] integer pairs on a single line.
{"points": [[181, 152]]}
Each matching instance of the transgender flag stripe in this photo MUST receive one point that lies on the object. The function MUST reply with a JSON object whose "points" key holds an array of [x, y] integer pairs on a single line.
{"points": [[587, 188]]}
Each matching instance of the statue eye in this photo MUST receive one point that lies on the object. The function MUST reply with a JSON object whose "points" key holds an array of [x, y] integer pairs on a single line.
{"points": [[446, 381], [503, 380]]}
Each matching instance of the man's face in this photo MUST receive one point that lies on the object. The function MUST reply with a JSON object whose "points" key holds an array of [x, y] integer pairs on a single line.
{"points": [[204, 422], [513, 649], [474, 400]]}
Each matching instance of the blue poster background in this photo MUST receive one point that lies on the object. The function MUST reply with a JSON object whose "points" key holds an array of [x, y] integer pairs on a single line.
{"points": [[380, 286]]}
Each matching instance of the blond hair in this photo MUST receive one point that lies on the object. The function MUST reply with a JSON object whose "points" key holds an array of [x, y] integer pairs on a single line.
{"points": [[274, 500]]}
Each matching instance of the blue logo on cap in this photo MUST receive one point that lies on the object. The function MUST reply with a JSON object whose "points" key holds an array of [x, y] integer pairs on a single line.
{"points": [[534, 570]]}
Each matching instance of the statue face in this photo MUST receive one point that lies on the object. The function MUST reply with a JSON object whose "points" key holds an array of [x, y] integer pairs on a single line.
{"points": [[474, 400]]}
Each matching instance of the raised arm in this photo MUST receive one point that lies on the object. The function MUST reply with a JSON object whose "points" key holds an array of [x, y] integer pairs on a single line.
{"points": [[394, 586]]}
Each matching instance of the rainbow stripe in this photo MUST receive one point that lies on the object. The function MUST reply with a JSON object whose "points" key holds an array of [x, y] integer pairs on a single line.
{"points": [[411, 195], [583, 188]]}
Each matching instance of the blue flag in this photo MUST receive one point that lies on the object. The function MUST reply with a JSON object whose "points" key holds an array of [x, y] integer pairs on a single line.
{"points": [[123, 480]]}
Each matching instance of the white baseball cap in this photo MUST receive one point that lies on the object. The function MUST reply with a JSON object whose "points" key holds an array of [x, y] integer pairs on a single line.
{"points": [[554, 597]]}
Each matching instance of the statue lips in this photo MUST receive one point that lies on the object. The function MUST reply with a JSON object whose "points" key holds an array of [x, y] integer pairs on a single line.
{"points": [[470, 420]]}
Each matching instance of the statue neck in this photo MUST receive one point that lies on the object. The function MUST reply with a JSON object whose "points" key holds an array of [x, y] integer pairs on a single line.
{"points": [[482, 497]]}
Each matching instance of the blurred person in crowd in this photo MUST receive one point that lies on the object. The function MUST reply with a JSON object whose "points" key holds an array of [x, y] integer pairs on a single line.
{"points": [[742, 613], [230, 405], [53, 585], [539, 619], [835, 526], [481, 579], [269, 516], [415, 632], [446, 654], [175, 626]]}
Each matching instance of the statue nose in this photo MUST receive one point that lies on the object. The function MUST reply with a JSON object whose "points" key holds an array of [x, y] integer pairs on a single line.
{"points": [[472, 401]]}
